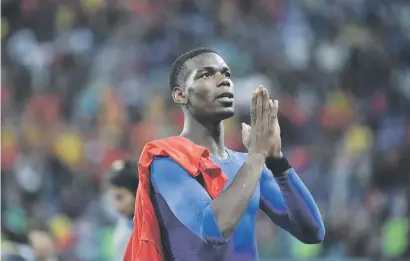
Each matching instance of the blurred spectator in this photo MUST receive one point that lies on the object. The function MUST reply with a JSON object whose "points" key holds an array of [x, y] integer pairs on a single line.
{"points": [[15, 246], [122, 187], [43, 246]]}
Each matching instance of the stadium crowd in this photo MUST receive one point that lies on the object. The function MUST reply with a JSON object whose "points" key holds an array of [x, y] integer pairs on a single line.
{"points": [[85, 82]]}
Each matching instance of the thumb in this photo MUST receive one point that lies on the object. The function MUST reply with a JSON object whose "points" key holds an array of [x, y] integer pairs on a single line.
{"points": [[246, 129]]}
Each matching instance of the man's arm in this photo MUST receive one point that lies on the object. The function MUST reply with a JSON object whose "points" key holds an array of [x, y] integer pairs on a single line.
{"points": [[231, 205], [288, 203], [212, 220]]}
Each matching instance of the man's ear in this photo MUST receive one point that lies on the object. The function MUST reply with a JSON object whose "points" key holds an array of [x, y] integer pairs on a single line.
{"points": [[179, 96]]}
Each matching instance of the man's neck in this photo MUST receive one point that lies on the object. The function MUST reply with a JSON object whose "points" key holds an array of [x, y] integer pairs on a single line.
{"points": [[208, 135]]}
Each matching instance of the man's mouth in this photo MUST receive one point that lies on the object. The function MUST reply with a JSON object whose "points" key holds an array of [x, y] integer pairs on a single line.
{"points": [[225, 97]]}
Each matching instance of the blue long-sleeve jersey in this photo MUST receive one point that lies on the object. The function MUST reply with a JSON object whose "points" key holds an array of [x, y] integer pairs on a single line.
{"points": [[187, 221]]}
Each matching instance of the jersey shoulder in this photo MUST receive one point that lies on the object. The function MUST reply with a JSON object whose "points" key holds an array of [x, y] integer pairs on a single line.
{"points": [[165, 168]]}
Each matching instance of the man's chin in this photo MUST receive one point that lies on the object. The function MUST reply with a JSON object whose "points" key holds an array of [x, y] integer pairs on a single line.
{"points": [[216, 115], [225, 113]]}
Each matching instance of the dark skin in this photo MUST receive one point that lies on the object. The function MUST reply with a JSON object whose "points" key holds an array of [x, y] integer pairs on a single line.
{"points": [[205, 79]]}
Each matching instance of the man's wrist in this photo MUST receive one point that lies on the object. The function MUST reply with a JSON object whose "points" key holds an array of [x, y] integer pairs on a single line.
{"points": [[277, 156], [258, 157], [279, 166]]}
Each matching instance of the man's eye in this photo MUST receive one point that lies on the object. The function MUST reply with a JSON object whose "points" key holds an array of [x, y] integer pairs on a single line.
{"points": [[228, 75], [206, 75]]}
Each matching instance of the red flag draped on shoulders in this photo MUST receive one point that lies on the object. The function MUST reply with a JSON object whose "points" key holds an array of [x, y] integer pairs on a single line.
{"points": [[145, 242]]}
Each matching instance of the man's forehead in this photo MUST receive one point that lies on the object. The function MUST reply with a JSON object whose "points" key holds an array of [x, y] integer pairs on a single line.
{"points": [[205, 60]]}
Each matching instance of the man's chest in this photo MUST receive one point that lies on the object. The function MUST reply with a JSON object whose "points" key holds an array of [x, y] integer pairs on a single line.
{"points": [[231, 169]]}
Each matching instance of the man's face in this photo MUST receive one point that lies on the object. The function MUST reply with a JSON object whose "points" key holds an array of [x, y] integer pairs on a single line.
{"points": [[124, 200], [208, 88]]}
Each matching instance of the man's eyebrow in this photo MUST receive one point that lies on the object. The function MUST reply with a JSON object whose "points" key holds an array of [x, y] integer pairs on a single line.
{"points": [[213, 69], [226, 69], [207, 68]]}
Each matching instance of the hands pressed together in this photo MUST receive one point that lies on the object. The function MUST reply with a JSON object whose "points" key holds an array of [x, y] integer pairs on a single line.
{"points": [[263, 136]]}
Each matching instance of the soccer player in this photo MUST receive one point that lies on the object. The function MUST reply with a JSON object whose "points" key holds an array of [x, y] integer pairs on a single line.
{"points": [[193, 224], [123, 183]]}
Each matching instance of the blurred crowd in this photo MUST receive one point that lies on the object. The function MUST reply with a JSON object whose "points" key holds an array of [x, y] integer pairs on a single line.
{"points": [[85, 82]]}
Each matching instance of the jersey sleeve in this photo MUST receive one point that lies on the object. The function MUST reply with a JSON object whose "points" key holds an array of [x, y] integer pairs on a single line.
{"points": [[289, 204], [186, 198]]}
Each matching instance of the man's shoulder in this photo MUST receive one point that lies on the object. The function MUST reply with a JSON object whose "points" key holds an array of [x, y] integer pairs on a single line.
{"points": [[163, 162], [163, 166], [166, 171]]}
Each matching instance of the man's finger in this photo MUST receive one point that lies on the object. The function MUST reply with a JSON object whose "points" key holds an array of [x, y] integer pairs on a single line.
{"points": [[271, 109], [274, 111], [266, 110], [246, 129], [253, 108], [259, 105]]}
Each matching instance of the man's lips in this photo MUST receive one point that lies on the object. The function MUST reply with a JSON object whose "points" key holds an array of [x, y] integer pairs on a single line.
{"points": [[226, 96]]}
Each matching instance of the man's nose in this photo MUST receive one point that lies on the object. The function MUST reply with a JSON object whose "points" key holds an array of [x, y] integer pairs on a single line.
{"points": [[223, 81]]}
